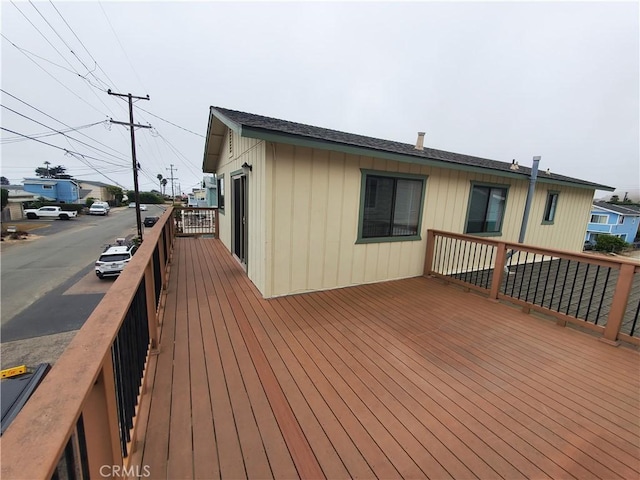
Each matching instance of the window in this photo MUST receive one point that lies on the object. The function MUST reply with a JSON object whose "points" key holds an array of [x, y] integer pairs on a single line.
{"points": [[550, 208], [599, 219], [390, 207], [48, 187], [220, 183], [486, 209], [620, 219]]}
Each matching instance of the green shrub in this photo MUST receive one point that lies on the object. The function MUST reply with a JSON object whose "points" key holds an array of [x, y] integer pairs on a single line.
{"points": [[5, 197], [610, 243]]}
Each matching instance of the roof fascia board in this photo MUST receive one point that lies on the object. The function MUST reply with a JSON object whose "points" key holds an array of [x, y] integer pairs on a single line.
{"points": [[216, 116], [262, 134], [553, 181], [235, 126]]}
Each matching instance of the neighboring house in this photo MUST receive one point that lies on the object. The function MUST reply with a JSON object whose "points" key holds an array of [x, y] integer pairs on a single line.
{"points": [[62, 190], [305, 208], [619, 220], [95, 190], [210, 191], [17, 198], [197, 198]]}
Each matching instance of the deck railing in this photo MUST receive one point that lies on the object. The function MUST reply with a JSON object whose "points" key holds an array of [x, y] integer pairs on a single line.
{"points": [[81, 421], [195, 221], [600, 293]]}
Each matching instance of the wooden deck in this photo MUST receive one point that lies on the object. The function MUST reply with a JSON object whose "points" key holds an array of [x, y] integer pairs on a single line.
{"points": [[409, 378]]}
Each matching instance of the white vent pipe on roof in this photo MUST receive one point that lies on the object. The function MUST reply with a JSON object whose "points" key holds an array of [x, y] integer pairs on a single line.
{"points": [[420, 141]]}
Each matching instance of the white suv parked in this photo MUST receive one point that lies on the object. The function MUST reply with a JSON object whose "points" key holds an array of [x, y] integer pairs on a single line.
{"points": [[113, 260]]}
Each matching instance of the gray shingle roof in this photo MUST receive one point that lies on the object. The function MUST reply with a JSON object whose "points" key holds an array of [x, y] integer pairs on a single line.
{"points": [[269, 124], [621, 209]]}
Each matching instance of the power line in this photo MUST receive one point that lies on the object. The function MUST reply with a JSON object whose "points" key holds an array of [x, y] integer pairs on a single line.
{"points": [[61, 133], [6, 140], [59, 121], [63, 85], [170, 123], [65, 150], [89, 72], [63, 57], [73, 154], [81, 43], [121, 47]]}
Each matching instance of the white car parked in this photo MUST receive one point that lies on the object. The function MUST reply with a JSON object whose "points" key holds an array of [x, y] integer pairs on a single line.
{"points": [[113, 260], [98, 209]]}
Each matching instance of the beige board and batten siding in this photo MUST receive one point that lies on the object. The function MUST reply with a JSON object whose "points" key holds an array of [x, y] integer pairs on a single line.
{"points": [[251, 151], [312, 204]]}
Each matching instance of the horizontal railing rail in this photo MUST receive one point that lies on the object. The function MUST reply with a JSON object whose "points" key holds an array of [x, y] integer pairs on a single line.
{"points": [[600, 293], [196, 221], [81, 421]]}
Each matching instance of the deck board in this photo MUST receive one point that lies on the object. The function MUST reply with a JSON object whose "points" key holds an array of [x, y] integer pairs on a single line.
{"points": [[410, 378]]}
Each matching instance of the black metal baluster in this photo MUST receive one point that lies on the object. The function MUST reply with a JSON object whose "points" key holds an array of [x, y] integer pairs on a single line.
{"points": [[593, 291], [635, 320], [584, 283], [535, 293], [573, 286], [566, 274], [532, 268], [555, 283], [604, 291], [524, 272]]}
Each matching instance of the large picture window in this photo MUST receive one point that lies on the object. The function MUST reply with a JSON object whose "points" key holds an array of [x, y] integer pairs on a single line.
{"points": [[486, 209], [599, 219], [391, 207]]}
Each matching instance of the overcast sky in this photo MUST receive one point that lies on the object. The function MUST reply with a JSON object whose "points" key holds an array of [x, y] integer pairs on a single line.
{"points": [[500, 80]]}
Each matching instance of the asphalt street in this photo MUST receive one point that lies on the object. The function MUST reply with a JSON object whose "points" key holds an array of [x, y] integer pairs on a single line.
{"points": [[48, 284]]}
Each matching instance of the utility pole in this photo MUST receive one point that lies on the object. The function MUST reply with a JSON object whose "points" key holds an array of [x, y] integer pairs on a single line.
{"points": [[133, 152], [173, 195]]}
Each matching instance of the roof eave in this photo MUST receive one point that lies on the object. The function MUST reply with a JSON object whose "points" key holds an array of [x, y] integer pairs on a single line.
{"points": [[216, 128], [291, 139]]}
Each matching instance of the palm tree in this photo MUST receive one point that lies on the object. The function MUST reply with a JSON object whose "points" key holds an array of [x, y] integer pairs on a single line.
{"points": [[159, 177], [163, 182]]}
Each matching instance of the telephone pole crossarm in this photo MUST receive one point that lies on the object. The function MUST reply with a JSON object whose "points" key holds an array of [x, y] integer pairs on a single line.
{"points": [[128, 124]]}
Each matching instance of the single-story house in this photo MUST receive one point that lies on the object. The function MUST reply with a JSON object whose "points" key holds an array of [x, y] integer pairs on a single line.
{"points": [[305, 208], [17, 198], [618, 220], [96, 190], [62, 190]]}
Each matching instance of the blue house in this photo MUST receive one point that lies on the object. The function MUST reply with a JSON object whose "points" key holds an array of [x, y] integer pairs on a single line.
{"points": [[619, 220], [63, 190]]}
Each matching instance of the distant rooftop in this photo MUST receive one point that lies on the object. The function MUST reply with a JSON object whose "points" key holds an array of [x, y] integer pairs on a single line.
{"points": [[617, 208]]}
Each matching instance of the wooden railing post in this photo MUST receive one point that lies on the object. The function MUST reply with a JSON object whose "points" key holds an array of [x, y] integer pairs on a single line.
{"points": [[619, 304], [216, 226], [152, 308], [428, 256], [498, 270], [100, 418]]}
